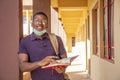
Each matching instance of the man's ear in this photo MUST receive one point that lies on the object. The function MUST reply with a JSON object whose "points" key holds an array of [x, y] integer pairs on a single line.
{"points": [[46, 26]]}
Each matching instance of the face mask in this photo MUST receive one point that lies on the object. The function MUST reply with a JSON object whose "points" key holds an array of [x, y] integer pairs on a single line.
{"points": [[39, 33]]}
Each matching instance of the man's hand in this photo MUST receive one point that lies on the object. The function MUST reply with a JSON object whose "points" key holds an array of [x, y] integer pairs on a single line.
{"points": [[60, 69], [47, 60]]}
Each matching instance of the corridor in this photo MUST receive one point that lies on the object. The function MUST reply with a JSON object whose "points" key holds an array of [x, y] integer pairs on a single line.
{"points": [[79, 75], [92, 26], [77, 70]]}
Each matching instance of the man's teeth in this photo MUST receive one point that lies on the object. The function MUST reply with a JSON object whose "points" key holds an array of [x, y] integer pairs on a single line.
{"points": [[39, 27]]}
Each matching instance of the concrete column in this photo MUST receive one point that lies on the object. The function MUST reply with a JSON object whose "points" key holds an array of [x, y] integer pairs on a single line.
{"points": [[44, 6], [9, 38]]}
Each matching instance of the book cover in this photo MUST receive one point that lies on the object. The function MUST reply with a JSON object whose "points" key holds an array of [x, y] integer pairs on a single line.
{"points": [[61, 62]]}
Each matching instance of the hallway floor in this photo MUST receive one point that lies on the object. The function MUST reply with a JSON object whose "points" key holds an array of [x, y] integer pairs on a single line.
{"points": [[78, 75], [77, 70]]}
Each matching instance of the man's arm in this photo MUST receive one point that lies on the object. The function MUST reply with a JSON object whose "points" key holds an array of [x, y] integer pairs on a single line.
{"points": [[27, 66]]}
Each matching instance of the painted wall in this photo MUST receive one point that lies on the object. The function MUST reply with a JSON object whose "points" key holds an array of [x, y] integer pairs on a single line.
{"points": [[54, 21], [56, 26], [102, 69], [9, 39]]}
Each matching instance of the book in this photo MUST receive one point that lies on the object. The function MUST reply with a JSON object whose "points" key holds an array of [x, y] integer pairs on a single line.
{"points": [[61, 62]]}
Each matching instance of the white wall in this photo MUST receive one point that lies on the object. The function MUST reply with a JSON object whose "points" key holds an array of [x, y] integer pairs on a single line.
{"points": [[54, 22], [102, 69], [56, 26]]}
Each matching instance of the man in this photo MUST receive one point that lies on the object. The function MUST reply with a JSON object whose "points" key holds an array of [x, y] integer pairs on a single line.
{"points": [[37, 51]]}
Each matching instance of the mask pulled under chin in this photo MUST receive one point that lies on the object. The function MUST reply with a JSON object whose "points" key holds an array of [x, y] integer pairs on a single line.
{"points": [[39, 33]]}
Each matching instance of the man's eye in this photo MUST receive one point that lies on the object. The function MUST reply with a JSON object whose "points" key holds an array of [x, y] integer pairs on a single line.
{"points": [[41, 21], [44, 21]]}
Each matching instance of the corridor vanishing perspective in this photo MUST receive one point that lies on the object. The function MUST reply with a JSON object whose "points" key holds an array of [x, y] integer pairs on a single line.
{"points": [[88, 28]]}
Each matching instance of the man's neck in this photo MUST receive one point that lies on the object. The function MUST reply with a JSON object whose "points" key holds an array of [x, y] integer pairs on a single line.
{"points": [[40, 37]]}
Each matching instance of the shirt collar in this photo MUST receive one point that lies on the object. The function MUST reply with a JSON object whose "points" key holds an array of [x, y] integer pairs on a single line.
{"points": [[33, 37]]}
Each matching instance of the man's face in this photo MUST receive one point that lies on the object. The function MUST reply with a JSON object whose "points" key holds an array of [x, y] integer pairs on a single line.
{"points": [[40, 22]]}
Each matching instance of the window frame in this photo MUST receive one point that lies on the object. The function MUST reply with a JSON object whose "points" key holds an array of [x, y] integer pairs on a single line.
{"points": [[95, 26], [108, 21]]}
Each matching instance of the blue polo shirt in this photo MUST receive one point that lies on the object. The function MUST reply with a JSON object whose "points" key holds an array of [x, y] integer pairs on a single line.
{"points": [[37, 49]]}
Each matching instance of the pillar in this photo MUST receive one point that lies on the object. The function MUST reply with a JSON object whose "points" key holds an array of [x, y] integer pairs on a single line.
{"points": [[9, 39]]}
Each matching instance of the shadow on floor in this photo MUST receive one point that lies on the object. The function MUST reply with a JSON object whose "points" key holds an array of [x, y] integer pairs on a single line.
{"points": [[80, 75]]}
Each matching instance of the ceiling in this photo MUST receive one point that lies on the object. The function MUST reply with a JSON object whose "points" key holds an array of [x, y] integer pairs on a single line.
{"points": [[71, 12]]}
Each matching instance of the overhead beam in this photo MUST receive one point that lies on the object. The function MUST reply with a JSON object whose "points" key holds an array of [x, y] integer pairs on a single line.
{"points": [[54, 3], [71, 20], [71, 14], [70, 30], [75, 3]]}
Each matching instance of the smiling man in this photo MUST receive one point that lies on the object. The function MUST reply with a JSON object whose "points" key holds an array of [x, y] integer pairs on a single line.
{"points": [[36, 51]]}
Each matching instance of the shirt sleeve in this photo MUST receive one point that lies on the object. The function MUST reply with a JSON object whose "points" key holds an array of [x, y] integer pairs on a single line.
{"points": [[61, 46], [22, 47]]}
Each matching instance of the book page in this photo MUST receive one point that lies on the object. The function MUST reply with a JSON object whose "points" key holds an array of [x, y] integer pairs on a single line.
{"points": [[61, 62]]}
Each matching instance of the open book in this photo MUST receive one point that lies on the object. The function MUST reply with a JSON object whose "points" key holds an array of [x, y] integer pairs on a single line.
{"points": [[61, 62]]}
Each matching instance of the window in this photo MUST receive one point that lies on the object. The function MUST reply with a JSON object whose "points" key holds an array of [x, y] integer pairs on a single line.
{"points": [[95, 29], [108, 29]]}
